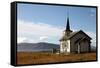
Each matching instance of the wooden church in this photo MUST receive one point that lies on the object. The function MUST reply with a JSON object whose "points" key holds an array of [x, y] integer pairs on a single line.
{"points": [[74, 42]]}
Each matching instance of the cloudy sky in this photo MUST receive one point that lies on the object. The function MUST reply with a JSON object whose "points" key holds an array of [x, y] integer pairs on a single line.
{"points": [[46, 23]]}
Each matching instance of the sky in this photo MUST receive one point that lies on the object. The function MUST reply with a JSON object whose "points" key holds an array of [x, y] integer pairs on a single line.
{"points": [[46, 23]]}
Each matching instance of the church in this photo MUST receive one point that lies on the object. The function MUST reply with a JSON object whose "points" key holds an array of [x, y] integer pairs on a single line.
{"points": [[74, 42]]}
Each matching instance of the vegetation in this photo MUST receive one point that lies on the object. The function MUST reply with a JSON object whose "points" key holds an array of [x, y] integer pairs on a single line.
{"points": [[41, 57]]}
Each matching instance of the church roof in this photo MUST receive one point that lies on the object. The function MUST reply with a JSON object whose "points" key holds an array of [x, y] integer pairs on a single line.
{"points": [[80, 39], [66, 38], [72, 34]]}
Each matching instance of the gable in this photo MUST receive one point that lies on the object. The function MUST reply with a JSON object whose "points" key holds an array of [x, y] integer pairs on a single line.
{"points": [[81, 39], [80, 33], [73, 34]]}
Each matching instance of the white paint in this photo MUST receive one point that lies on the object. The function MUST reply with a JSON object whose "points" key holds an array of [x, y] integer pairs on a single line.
{"points": [[68, 49], [61, 49], [65, 46]]}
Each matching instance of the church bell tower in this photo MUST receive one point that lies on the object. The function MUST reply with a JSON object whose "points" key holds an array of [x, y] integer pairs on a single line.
{"points": [[67, 30], [64, 42]]}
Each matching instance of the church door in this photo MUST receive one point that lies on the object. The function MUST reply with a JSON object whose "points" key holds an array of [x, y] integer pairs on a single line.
{"points": [[78, 48]]}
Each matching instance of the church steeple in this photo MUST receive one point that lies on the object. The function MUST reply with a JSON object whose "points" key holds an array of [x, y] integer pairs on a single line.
{"points": [[68, 25], [67, 30]]}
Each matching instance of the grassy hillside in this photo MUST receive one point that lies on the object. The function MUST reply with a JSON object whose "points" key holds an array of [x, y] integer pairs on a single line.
{"points": [[41, 58]]}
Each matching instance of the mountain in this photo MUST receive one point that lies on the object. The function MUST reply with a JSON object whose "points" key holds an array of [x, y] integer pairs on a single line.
{"points": [[42, 46]]}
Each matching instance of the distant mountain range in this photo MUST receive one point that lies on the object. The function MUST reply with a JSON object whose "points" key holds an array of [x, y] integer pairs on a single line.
{"points": [[42, 46]]}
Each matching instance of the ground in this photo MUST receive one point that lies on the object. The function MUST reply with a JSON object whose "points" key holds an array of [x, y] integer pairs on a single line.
{"points": [[41, 58]]}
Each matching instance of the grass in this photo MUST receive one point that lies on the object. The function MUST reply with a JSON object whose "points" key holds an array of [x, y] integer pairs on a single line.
{"points": [[41, 58]]}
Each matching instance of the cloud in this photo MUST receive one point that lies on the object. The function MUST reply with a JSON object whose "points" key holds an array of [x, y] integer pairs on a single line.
{"points": [[93, 36], [21, 39], [43, 37], [37, 31], [92, 12], [26, 40]]}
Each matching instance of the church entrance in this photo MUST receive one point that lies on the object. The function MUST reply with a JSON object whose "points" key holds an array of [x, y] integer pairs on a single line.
{"points": [[78, 48]]}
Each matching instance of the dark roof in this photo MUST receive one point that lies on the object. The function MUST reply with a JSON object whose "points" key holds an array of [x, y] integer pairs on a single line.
{"points": [[72, 35], [80, 39]]}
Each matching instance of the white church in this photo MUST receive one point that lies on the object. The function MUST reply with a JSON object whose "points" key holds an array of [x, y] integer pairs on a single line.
{"points": [[74, 42]]}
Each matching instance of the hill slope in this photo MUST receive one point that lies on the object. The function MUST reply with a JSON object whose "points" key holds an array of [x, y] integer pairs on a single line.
{"points": [[36, 46]]}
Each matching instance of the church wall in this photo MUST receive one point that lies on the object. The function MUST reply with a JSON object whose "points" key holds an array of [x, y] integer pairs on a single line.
{"points": [[61, 48], [73, 46], [65, 46], [84, 46], [68, 49]]}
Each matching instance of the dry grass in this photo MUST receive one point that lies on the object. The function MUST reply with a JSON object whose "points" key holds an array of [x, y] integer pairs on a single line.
{"points": [[41, 58]]}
